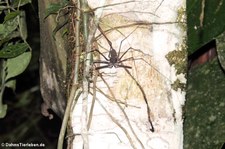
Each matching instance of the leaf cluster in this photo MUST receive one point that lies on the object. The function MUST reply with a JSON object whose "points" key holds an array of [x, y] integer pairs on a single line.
{"points": [[205, 22], [60, 10], [204, 109], [15, 53]]}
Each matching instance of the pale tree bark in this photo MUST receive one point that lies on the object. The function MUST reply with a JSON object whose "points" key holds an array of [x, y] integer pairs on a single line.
{"points": [[124, 104]]}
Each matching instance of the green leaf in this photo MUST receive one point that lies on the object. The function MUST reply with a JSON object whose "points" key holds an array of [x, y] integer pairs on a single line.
{"points": [[3, 109], [8, 27], [55, 7], [203, 29], [220, 46], [1, 29], [11, 84], [58, 27], [13, 50], [18, 3], [17, 65], [23, 25], [3, 8], [204, 107], [11, 15]]}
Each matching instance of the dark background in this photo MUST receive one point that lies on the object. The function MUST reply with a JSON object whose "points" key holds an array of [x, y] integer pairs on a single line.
{"points": [[24, 122]]}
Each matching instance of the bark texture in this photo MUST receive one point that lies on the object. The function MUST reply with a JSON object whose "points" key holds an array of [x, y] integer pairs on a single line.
{"points": [[53, 62]]}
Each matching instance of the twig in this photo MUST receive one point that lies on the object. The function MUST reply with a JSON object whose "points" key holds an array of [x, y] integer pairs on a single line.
{"points": [[87, 62], [77, 47], [2, 87], [72, 98], [88, 39], [139, 23], [159, 6], [95, 133], [104, 6], [124, 113], [93, 101], [112, 99], [74, 88], [117, 123]]}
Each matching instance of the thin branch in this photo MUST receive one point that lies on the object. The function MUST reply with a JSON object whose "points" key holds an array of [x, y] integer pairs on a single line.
{"points": [[77, 47], [117, 123], [112, 99], [88, 40], [72, 98], [95, 133], [74, 94], [104, 6], [158, 6], [87, 62], [124, 113], [139, 23], [93, 101]]}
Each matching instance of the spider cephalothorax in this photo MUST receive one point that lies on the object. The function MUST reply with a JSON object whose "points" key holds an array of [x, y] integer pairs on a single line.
{"points": [[114, 59]]}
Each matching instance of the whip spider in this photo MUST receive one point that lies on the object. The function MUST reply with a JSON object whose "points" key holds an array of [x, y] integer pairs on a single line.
{"points": [[114, 59]]}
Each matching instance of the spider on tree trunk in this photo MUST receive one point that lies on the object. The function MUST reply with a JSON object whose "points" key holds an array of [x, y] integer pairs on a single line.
{"points": [[114, 59]]}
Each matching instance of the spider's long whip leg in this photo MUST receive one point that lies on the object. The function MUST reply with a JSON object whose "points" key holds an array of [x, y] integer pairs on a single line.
{"points": [[124, 66], [122, 43], [102, 54], [101, 67], [102, 32], [124, 54], [103, 62]]}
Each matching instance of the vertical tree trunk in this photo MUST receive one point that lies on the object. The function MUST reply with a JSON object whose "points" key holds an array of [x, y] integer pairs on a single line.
{"points": [[53, 62], [126, 105]]}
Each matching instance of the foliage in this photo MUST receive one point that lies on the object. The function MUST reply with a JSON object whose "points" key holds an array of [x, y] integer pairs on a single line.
{"points": [[220, 41], [204, 124], [205, 22], [24, 122], [56, 8], [15, 53], [204, 116], [12, 51]]}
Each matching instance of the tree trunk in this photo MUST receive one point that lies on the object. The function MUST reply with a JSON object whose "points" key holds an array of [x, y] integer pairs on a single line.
{"points": [[53, 62], [138, 107]]}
